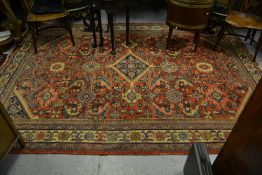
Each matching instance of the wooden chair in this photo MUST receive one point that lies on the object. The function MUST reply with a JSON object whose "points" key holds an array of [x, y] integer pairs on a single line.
{"points": [[243, 14], [34, 19]]}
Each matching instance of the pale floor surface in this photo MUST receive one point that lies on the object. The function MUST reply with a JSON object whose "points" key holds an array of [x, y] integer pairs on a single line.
{"points": [[46, 164], [58, 164]]}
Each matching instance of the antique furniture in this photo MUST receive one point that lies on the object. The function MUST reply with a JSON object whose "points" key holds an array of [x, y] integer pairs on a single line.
{"points": [[188, 15], [241, 154], [34, 19], [14, 24], [79, 9], [8, 133], [243, 14], [217, 16], [198, 162], [259, 44], [111, 7]]}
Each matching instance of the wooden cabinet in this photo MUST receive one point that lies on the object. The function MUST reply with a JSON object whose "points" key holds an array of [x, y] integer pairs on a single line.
{"points": [[8, 133], [14, 24]]}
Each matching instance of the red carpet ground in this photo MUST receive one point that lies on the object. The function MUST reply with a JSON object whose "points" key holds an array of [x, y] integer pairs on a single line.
{"points": [[143, 100]]}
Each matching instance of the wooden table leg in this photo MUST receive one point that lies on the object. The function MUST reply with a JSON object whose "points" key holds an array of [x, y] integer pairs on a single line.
{"points": [[259, 44], [127, 26], [169, 36], [33, 35], [111, 25], [220, 35], [101, 44], [92, 23], [196, 39], [253, 36]]}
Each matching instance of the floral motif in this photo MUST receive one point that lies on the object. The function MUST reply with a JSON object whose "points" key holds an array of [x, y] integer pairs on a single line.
{"points": [[169, 67], [204, 67], [144, 98], [57, 67], [131, 96]]}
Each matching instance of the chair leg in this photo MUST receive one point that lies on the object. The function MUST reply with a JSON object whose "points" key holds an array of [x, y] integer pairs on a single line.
{"points": [[196, 40], [169, 36], [259, 44], [248, 34], [98, 12], [127, 26], [36, 29], [107, 28], [33, 35], [111, 25], [220, 36], [69, 29], [93, 25], [253, 36]]}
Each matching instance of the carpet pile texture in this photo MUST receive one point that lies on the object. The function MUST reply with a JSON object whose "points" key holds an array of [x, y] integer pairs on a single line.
{"points": [[143, 100]]}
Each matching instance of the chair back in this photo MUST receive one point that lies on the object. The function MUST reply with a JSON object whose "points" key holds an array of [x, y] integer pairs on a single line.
{"points": [[247, 6], [28, 5]]}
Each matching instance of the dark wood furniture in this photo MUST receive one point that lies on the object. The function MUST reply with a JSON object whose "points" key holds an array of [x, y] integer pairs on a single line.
{"points": [[35, 19], [111, 7], [242, 152], [8, 133], [15, 24], [188, 15], [246, 15], [80, 9]]}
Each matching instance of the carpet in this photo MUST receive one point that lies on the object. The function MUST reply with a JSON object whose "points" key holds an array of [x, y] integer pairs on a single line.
{"points": [[143, 100]]}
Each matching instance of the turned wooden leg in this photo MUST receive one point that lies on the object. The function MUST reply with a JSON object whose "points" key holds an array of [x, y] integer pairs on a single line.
{"points": [[107, 28], [169, 36], [36, 29], [220, 36], [253, 36], [248, 34], [98, 12], [93, 25], [196, 39], [69, 29], [111, 25], [127, 26], [259, 44], [33, 35]]}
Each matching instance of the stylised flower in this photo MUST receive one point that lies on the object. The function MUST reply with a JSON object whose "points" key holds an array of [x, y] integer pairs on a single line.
{"points": [[57, 67], [217, 96], [160, 136], [112, 137], [169, 67], [64, 136], [204, 67], [89, 136], [40, 135], [90, 66], [135, 136], [131, 96], [183, 136], [174, 95], [206, 136]]}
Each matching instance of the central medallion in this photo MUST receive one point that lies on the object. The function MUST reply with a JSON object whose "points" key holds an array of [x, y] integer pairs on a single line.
{"points": [[131, 67]]}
